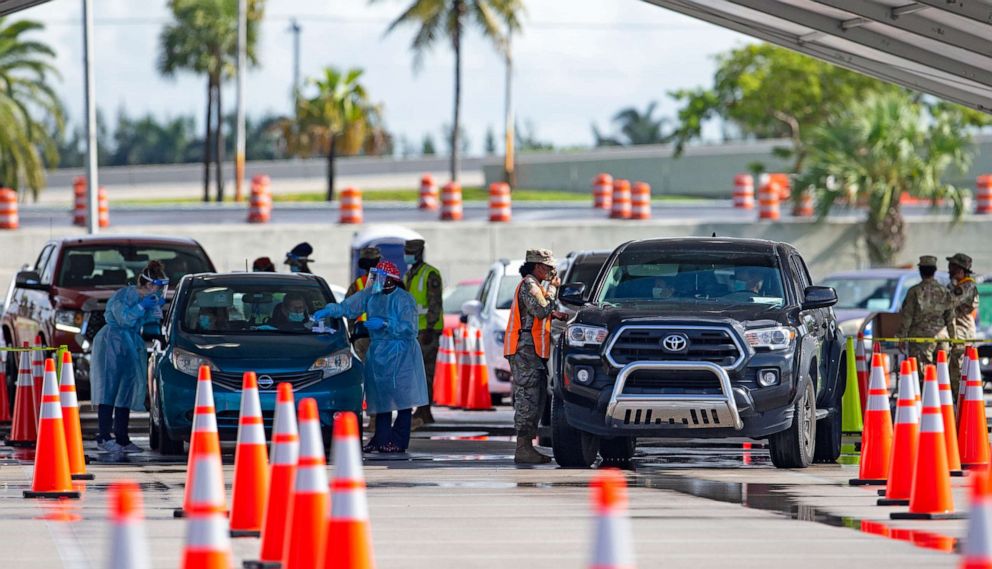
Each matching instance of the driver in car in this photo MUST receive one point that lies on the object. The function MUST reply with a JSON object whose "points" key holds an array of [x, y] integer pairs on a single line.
{"points": [[292, 314], [753, 279]]}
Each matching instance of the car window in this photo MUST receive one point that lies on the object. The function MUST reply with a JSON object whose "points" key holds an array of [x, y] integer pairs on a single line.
{"points": [[869, 293], [802, 276], [253, 308], [484, 289], [41, 266], [113, 266], [457, 295], [584, 271], [507, 286]]}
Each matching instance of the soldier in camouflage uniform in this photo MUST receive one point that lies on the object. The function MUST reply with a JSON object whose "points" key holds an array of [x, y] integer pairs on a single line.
{"points": [[527, 347], [964, 303], [424, 282], [926, 312]]}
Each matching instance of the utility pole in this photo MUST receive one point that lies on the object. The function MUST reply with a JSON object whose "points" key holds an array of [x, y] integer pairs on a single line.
{"points": [[239, 153], [509, 172], [295, 29], [92, 182]]}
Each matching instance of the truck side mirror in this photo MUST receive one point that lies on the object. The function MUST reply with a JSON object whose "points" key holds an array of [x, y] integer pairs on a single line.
{"points": [[572, 293], [819, 297], [30, 280], [472, 308]]}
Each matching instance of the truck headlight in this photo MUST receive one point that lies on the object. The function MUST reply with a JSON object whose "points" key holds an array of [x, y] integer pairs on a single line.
{"points": [[189, 363], [69, 321], [580, 335], [334, 364], [775, 338]]}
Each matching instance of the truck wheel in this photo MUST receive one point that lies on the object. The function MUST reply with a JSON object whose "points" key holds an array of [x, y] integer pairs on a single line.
{"points": [[794, 447], [828, 432], [618, 450], [166, 444], [572, 448]]}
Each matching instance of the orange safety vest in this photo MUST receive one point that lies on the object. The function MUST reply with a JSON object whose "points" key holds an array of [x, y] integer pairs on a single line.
{"points": [[359, 285], [541, 331]]}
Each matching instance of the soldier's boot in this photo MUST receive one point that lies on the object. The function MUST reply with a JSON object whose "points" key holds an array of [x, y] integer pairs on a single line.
{"points": [[527, 454], [424, 414]]}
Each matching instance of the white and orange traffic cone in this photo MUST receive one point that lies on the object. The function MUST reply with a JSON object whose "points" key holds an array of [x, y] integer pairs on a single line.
{"points": [[37, 372], [282, 478], [442, 387], [612, 544], [24, 430], [251, 464], [976, 553], [478, 398], [876, 445], [128, 541], [70, 420], [306, 534], [973, 435], [947, 412], [905, 442], [204, 433], [349, 534], [931, 493], [464, 367], [208, 545], [51, 459]]}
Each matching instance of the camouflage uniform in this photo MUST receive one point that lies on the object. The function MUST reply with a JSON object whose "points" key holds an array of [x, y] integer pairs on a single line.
{"points": [[964, 302], [926, 313], [429, 337], [530, 372]]}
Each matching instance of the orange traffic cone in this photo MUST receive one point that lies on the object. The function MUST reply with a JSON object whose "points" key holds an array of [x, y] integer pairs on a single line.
{"points": [[251, 464], [931, 494], [282, 477], [905, 443], [70, 420], [947, 411], [862, 369], [451, 368], [203, 442], [128, 543], [208, 545], [306, 533], [876, 445], [24, 431], [4, 399], [349, 535], [977, 550], [478, 398], [442, 388], [464, 368], [37, 372], [612, 544], [973, 435], [51, 459]]}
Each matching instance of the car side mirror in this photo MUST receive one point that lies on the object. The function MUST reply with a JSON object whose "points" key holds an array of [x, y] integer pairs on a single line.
{"points": [[472, 308], [30, 280], [572, 293], [819, 297]]}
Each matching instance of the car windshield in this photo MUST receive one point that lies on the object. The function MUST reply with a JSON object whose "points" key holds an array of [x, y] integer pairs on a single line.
{"points": [[458, 295], [641, 277], [507, 286], [254, 308], [114, 266], [868, 293]]}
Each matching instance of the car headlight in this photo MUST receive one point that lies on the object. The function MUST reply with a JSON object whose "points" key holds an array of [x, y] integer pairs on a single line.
{"points": [[338, 362], [776, 338], [579, 335], [500, 337], [189, 363], [69, 321]]}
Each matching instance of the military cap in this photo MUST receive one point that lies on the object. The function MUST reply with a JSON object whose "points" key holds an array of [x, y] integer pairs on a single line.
{"points": [[302, 251], [961, 260], [370, 253], [928, 261], [542, 256], [414, 246]]}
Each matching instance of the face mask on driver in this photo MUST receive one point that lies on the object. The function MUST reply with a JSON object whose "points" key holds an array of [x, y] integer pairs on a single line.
{"points": [[661, 292], [205, 322], [295, 316]]}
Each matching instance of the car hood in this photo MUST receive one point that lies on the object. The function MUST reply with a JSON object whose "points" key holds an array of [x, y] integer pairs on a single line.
{"points": [[749, 316], [263, 352]]}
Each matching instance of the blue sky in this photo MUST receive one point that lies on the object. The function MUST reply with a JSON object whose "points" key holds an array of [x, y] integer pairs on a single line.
{"points": [[577, 62]]}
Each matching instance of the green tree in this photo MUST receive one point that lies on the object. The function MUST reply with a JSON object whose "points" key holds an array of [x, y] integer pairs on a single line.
{"points": [[203, 39], [437, 19], [31, 118], [635, 128], [427, 147], [145, 140], [877, 149]]}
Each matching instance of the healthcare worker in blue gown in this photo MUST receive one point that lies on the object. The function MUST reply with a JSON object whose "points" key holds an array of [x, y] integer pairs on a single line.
{"points": [[394, 366], [119, 365]]}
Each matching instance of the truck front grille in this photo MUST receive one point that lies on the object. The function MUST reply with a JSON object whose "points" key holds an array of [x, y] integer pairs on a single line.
{"points": [[712, 345], [648, 381], [300, 380]]}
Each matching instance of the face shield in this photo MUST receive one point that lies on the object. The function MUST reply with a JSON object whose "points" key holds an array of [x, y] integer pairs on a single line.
{"points": [[161, 285]]}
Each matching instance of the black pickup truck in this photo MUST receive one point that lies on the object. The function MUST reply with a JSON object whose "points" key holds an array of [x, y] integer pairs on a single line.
{"points": [[699, 338]]}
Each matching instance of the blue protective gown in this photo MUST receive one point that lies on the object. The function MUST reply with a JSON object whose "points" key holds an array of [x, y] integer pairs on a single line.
{"points": [[394, 364], [119, 363]]}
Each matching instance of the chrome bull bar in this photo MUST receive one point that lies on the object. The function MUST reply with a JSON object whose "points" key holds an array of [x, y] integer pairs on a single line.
{"points": [[694, 411]]}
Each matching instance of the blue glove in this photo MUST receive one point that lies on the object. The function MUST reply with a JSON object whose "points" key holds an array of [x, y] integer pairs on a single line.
{"points": [[329, 311], [161, 301], [375, 323], [148, 302]]}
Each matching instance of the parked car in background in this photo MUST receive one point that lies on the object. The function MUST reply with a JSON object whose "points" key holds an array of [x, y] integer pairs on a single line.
{"points": [[238, 322], [860, 293], [490, 311], [63, 295], [457, 295]]}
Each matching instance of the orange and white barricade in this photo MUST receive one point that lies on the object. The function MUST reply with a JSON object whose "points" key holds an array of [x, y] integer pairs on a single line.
{"points": [[804, 204], [640, 201], [743, 191], [983, 194], [769, 195], [351, 206], [103, 208], [620, 209], [428, 193], [602, 191], [80, 204], [260, 202], [499, 202], [451, 202], [9, 218]]}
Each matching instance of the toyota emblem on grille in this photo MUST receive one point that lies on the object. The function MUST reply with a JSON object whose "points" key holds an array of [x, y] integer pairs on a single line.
{"points": [[676, 343], [265, 381]]}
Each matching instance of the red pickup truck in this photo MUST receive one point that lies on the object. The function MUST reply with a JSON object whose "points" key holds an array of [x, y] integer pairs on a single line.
{"points": [[63, 296]]}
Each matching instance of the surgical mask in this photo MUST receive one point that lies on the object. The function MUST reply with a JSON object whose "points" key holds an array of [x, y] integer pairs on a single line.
{"points": [[295, 316], [294, 269], [409, 259], [658, 292], [205, 322]]}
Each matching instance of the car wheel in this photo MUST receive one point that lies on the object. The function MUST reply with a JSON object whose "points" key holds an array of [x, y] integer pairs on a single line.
{"points": [[618, 450], [572, 448], [153, 441], [496, 398], [794, 447], [167, 445], [828, 434]]}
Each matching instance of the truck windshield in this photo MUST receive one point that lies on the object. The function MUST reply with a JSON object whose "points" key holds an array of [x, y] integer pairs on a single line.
{"points": [[114, 266], [253, 308], [639, 277]]}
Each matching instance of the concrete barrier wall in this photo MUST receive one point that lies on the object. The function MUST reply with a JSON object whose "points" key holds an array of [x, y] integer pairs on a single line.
{"points": [[465, 250]]}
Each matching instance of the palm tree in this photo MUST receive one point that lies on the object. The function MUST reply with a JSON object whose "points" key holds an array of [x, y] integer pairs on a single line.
{"points": [[636, 128], [27, 142], [880, 148], [449, 18], [203, 39]]}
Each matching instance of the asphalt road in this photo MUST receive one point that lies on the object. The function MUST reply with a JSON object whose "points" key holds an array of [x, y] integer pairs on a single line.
{"points": [[457, 501]]}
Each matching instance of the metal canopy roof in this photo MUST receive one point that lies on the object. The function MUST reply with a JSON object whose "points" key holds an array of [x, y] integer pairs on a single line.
{"points": [[11, 6], [941, 47]]}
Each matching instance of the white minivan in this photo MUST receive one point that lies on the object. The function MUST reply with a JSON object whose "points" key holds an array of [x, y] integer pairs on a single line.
{"points": [[490, 312]]}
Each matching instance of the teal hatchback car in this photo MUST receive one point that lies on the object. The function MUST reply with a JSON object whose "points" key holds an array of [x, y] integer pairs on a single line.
{"points": [[241, 322]]}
